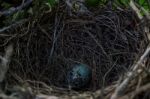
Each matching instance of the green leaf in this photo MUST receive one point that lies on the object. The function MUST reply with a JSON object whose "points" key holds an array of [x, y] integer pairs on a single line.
{"points": [[123, 2], [145, 4], [52, 3], [141, 2]]}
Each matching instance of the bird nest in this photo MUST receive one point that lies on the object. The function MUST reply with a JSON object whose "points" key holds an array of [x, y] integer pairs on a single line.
{"points": [[109, 41]]}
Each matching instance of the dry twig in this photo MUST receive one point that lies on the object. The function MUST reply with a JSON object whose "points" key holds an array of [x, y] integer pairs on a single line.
{"points": [[122, 87], [5, 61], [13, 25], [12, 10]]}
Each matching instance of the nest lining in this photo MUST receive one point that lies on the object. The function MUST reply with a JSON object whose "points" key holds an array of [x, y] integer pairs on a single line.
{"points": [[109, 41]]}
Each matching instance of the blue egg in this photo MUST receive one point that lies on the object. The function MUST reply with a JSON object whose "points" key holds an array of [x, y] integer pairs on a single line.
{"points": [[79, 76]]}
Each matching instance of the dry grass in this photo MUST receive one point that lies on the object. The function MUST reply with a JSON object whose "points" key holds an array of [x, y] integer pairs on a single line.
{"points": [[46, 46]]}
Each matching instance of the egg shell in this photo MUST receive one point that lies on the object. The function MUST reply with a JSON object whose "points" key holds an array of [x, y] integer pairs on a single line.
{"points": [[79, 76]]}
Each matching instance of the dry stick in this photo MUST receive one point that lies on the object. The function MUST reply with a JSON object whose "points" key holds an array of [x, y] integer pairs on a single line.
{"points": [[147, 14], [13, 25], [3, 96], [55, 37], [5, 62], [121, 88], [132, 5], [12, 10], [133, 94], [141, 89]]}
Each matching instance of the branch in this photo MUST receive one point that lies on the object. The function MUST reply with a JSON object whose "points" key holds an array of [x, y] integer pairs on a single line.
{"points": [[133, 6], [123, 86], [12, 10], [140, 16], [5, 62], [13, 25]]}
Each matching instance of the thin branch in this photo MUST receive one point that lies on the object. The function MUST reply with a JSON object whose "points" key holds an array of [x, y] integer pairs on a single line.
{"points": [[133, 6], [122, 87], [3, 96], [140, 16], [13, 25], [140, 90], [4, 65], [12, 10], [133, 94]]}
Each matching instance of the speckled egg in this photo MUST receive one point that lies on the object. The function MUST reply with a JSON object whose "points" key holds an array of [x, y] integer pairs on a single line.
{"points": [[79, 76]]}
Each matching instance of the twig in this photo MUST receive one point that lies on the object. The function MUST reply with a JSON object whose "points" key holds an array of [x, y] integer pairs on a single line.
{"points": [[141, 89], [55, 36], [133, 6], [12, 10], [13, 25], [136, 9], [46, 97], [5, 62], [122, 87], [3, 96], [133, 94], [141, 17]]}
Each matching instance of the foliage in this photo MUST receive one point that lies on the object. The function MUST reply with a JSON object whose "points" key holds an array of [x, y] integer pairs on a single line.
{"points": [[142, 3], [52, 3]]}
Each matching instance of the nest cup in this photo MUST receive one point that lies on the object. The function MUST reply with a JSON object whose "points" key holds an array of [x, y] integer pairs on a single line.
{"points": [[108, 41]]}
